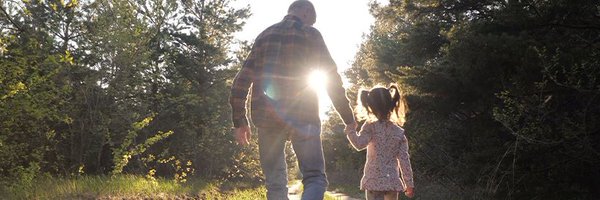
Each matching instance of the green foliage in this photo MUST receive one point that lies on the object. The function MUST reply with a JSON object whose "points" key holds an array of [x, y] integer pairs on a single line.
{"points": [[78, 80], [122, 154], [503, 94], [30, 105]]}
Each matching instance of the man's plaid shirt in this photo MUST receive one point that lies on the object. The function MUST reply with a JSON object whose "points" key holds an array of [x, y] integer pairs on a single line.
{"points": [[277, 72]]}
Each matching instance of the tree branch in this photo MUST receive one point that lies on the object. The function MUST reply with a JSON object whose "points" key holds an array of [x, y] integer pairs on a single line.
{"points": [[534, 7], [10, 19], [74, 36]]}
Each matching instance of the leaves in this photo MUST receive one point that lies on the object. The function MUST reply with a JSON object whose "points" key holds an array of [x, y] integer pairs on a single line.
{"points": [[503, 94], [104, 84]]}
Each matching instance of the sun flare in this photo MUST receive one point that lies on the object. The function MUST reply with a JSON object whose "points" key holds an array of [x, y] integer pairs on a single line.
{"points": [[317, 80]]}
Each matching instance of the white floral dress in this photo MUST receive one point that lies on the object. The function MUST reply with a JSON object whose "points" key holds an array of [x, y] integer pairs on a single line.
{"points": [[387, 155]]}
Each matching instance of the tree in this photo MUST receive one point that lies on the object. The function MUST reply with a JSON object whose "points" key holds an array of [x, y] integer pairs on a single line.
{"points": [[117, 86], [501, 93], [34, 88]]}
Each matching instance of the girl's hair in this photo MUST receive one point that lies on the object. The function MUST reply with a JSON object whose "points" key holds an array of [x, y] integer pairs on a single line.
{"points": [[382, 103]]}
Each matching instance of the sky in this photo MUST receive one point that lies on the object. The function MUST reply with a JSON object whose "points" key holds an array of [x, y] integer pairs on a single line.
{"points": [[342, 23]]}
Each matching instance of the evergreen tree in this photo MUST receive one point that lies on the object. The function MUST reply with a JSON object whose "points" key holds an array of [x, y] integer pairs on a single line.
{"points": [[107, 86], [503, 93]]}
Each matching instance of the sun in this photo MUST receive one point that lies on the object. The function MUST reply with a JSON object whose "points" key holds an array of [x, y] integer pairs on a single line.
{"points": [[317, 80]]}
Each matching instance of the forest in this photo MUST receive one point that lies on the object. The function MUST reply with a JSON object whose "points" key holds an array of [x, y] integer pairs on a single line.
{"points": [[504, 95]]}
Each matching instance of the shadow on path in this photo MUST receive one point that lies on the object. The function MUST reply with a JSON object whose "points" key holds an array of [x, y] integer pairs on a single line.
{"points": [[295, 193]]}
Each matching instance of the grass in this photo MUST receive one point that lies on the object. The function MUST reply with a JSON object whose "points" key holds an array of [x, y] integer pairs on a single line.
{"points": [[328, 197], [129, 187]]}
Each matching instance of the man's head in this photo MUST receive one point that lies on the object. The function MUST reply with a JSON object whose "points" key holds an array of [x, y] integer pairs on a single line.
{"points": [[305, 10]]}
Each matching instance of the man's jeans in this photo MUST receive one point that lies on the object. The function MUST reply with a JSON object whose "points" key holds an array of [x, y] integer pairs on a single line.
{"points": [[306, 142]]}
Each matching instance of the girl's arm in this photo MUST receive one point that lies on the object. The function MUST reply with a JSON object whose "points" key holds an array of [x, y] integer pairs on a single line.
{"points": [[361, 140], [404, 163]]}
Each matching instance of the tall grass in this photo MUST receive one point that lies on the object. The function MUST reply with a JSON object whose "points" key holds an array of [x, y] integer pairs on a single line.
{"points": [[123, 186], [130, 187]]}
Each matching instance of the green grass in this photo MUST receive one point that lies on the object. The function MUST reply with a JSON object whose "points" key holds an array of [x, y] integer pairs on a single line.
{"points": [[247, 194], [129, 187], [327, 197]]}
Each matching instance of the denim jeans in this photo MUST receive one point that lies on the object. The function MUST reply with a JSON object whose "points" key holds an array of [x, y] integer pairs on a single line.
{"points": [[306, 142]]}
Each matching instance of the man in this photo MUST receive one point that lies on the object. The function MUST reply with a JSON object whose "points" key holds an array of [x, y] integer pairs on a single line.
{"points": [[283, 106]]}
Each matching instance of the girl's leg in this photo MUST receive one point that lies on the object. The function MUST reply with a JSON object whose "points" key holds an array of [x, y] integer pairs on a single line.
{"points": [[374, 195], [391, 195]]}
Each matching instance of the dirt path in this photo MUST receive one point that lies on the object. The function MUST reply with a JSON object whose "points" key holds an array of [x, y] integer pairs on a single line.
{"points": [[341, 196], [295, 193]]}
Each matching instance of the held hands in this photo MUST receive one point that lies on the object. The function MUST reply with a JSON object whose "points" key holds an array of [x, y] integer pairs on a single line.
{"points": [[409, 192], [350, 128], [242, 135]]}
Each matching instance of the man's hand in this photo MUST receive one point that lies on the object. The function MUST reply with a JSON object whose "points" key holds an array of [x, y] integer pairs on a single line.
{"points": [[409, 192], [242, 135], [350, 127]]}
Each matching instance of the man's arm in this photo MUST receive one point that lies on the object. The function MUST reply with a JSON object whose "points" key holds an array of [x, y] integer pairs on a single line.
{"points": [[335, 88], [239, 93]]}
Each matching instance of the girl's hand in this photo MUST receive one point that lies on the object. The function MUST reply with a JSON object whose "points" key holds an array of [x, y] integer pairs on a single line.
{"points": [[409, 192], [350, 128]]}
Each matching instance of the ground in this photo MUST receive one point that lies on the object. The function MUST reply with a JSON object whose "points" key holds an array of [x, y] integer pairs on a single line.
{"points": [[295, 192]]}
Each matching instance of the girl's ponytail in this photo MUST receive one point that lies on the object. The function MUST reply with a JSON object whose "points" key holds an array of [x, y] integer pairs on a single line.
{"points": [[364, 99], [362, 109], [395, 92], [398, 104]]}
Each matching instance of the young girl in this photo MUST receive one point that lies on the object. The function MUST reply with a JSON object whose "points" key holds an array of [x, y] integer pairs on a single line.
{"points": [[386, 144]]}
